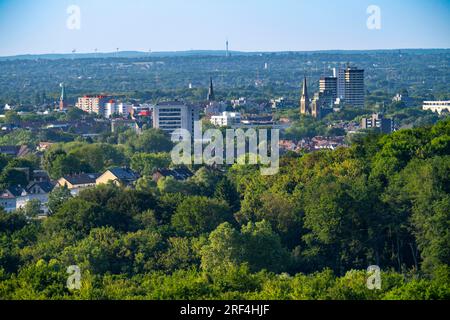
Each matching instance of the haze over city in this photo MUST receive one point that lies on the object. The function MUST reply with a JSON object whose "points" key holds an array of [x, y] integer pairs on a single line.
{"points": [[37, 27]]}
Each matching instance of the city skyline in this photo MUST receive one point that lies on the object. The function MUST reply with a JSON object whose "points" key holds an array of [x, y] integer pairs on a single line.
{"points": [[47, 26]]}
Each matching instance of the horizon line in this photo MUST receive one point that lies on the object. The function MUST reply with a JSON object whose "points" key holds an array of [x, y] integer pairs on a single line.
{"points": [[214, 50]]}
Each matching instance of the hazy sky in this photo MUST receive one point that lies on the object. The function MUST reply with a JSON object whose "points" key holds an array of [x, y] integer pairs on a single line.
{"points": [[40, 26]]}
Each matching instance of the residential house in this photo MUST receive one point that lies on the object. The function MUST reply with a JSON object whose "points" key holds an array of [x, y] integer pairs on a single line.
{"points": [[180, 174], [124, 177], [44, 146], [8, 198], [15, 151], [36, 191], [40, 176], [78, 182], [17, 197]]}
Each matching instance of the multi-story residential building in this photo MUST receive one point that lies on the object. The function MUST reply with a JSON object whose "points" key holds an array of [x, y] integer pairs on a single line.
{"points": [[170, 116], [125, 109], [354, 87], [227, 119], [339, 74], [350, 85], [378, 121], [93, 104], [437, 106], [113, 108], [329, 89]]}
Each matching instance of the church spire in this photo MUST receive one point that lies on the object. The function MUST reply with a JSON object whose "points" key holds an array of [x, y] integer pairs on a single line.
{"points": [[305, 88], [304, 100], [62, 99], [211, 95]]}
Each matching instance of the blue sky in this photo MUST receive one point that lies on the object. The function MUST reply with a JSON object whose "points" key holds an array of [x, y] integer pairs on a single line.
{"points": [[39, 26]]}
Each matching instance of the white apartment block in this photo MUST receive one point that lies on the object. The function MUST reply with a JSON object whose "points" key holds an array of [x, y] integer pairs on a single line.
{"points": [[92, 104], [227, 119], [122, 109], [436, 106]]}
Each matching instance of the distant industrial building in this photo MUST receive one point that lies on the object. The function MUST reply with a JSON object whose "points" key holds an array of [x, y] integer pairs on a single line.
{"points": [[378, 121], [170, 116], [436, 106]]}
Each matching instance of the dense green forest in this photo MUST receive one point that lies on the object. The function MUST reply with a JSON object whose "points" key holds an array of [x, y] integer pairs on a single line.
{"points": [[309, 232]]}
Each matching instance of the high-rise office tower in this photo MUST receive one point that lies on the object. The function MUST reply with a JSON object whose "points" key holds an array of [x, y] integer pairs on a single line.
{"points": [[354, 87], [339, 74], [304, 100], [328, 89], [170, 116], [328, 84]]}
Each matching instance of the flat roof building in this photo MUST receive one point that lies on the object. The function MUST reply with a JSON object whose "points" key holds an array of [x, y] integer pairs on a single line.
{"points": [[170, 116], [379, 122], [354, 87], [436, 106], [227, 119], [93, 104], [329, 86]]}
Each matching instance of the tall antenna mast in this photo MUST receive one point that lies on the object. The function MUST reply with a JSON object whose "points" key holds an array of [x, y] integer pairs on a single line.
{"points": [[228, 52]]}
